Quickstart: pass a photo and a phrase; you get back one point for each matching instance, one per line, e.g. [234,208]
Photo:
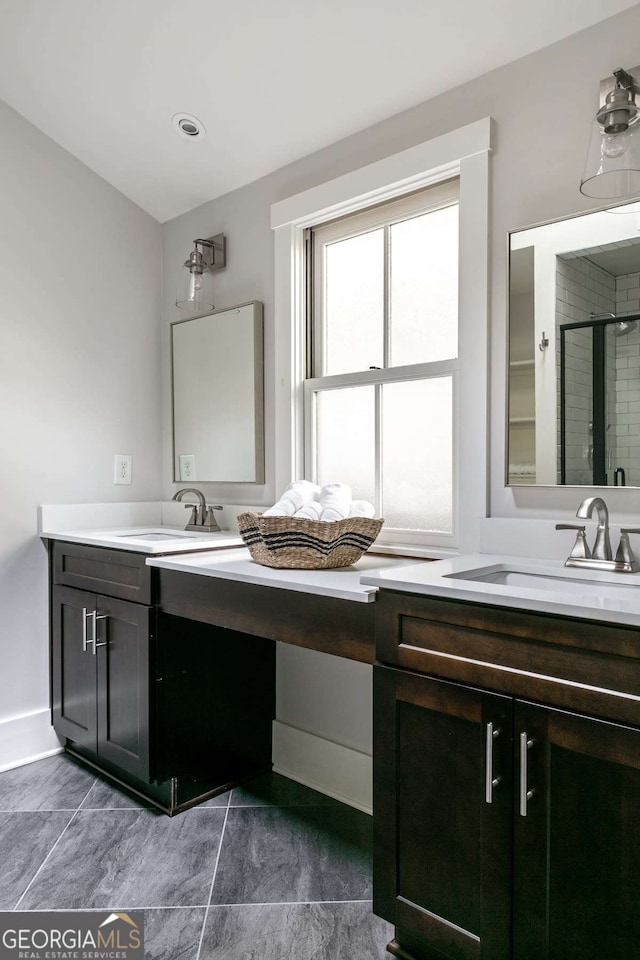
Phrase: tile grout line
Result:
[285,903]
[75,814]
[194,906]
[45,810]
[95,780]
[213,879]
[87,794]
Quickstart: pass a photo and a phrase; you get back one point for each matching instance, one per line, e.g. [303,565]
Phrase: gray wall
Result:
[79,371]
[536,168]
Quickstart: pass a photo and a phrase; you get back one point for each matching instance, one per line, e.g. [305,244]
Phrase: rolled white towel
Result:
[294,498]
[305,489]
[297,494]
[283,508]
[362,508]
[331,515]
[335,499]
[310,511]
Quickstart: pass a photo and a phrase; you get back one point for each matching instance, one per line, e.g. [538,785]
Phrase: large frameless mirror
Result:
[574,351]
[217,381]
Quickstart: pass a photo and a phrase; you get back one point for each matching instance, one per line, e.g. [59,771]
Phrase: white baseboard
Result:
[27,738]
[331,768]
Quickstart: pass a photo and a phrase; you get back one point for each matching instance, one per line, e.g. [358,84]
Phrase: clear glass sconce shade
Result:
[612,168]
[195,289]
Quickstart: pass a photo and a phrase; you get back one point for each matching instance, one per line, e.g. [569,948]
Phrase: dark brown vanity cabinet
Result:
[174,709]
[101,676]
[504,828]
[576,838]
[442,853]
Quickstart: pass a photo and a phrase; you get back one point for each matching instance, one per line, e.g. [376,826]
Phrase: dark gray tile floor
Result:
[268,871]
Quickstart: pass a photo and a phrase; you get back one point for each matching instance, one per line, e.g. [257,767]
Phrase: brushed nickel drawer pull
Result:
[525,793]
[490,780]
[85,639]
[103,643]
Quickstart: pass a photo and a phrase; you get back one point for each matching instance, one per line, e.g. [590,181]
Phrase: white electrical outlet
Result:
[122,467]
[187,466]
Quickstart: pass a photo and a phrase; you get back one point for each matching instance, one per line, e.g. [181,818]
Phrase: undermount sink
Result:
[155,535]
[555,583]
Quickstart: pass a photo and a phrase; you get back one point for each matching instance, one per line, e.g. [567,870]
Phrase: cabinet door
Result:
[73,666]
[443,807]
[122,655]
[577,837]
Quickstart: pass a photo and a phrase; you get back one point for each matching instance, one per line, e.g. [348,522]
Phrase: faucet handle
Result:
[581,547]
[625,553]
[193,519]
[210,522]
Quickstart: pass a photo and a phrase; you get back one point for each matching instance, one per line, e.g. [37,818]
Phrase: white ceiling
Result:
[272,80]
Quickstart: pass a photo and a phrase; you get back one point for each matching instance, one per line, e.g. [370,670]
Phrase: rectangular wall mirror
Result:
[574,351]
[217,385]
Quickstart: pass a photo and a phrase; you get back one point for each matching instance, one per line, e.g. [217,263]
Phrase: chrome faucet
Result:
[601,557]
[202,518]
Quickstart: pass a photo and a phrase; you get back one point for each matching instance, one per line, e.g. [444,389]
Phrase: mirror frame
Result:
[258,380]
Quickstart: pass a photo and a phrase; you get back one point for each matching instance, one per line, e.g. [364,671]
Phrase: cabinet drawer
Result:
[113,573]
[590,667]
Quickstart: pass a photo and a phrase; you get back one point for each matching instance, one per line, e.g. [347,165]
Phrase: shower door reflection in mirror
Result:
[600,402]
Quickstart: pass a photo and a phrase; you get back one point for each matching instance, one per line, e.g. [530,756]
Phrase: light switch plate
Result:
[122,467]
[187,466]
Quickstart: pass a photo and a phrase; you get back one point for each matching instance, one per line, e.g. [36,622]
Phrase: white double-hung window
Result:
[380,392]
[381,338]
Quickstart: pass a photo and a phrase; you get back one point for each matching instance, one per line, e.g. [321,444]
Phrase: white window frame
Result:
[462,153]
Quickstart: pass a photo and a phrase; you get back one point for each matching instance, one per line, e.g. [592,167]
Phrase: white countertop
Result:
[137,539]
[610,597]
[343,582]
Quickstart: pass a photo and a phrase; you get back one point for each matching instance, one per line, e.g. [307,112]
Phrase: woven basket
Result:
[296,544]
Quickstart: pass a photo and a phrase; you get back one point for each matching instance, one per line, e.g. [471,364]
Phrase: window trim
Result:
[464,153]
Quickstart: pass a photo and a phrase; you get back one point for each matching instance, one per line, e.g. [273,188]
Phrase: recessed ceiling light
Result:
[189,126]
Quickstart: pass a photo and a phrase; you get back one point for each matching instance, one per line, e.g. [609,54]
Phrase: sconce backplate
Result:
[214,251]
[609,83]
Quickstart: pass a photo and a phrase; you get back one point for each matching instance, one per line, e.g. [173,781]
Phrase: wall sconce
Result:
[612,168]
[196,282]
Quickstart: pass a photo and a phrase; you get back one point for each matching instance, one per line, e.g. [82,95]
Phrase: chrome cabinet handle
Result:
[490,780]
[525,793]
[85,640]
[98,616]
[92,638]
